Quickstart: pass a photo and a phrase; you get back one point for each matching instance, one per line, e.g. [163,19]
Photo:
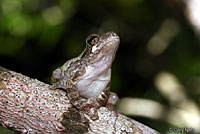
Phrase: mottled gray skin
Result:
[86,78]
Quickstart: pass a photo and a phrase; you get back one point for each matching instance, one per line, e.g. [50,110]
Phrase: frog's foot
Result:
[91,113]
[90,108]
[57,86]
[113,99]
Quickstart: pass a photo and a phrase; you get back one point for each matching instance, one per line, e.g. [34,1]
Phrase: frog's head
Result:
[98,57]
[102,48]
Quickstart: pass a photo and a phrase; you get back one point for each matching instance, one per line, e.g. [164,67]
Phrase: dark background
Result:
[36,36]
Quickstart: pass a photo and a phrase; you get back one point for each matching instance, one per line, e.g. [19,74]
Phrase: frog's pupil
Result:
[93,40]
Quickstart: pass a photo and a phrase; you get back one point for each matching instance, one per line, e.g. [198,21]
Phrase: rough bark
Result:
[30,106]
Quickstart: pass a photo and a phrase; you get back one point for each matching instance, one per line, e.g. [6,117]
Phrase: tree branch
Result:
[29,106]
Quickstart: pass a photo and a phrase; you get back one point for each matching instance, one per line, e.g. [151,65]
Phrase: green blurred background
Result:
[36,36]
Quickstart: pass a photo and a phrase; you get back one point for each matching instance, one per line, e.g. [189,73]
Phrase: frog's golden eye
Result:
[92,39]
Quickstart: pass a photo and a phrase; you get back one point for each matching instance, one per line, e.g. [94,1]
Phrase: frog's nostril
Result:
[113,34]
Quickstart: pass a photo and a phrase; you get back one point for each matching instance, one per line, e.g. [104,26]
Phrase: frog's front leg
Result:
[108,98]
[91,105]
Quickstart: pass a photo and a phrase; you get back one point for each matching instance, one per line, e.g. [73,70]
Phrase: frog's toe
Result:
[92,113]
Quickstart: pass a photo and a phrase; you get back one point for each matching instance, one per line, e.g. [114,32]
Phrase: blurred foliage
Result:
[36,36]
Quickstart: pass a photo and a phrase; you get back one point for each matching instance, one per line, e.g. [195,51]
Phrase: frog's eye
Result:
[92,39]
